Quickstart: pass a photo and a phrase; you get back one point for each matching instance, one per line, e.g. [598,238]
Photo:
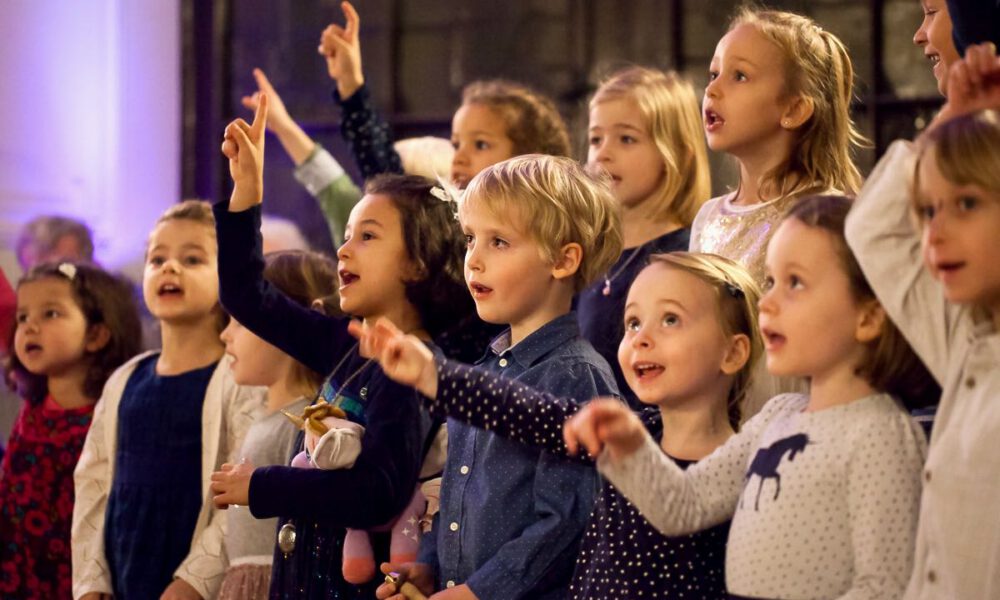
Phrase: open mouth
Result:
[772,339]
[169,290]
[347,278]
[646,370]
[32,348]
[479,290]
[713,120]
[460,180]
[946,269]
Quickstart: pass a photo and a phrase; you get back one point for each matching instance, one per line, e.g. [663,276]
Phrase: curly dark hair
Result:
[891,365]
[104,299]
[435,243]
[533,122]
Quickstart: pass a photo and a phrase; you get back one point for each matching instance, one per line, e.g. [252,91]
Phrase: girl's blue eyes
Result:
[669,319]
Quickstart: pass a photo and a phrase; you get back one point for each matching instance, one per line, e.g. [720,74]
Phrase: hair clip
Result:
[733,291]
[67,269]
[440,194]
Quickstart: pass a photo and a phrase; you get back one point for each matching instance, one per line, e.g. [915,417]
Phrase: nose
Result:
[344,251]
[920,37]
[937,227]
[712,89]
[461,156]
[171,265]
[227,333]
[641,339]
[767,303]
[473,258]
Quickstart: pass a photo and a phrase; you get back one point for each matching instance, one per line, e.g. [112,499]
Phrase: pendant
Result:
[286,539]
[607,288]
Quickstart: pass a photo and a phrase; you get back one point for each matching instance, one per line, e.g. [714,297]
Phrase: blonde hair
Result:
[818,68]
[672,115]
[532,120]
[966,152]
[557,203]
[737,294]
[426,156]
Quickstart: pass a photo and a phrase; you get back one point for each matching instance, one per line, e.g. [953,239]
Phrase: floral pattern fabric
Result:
[36,500]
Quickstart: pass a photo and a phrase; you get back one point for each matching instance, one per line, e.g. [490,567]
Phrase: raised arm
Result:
[312,338]
[367,134]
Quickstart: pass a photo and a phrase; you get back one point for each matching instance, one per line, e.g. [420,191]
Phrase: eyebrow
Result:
[744,60]
[618,126]
[370,222]
[660,302]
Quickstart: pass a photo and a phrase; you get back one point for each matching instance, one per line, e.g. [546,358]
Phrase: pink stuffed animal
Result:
[332,441]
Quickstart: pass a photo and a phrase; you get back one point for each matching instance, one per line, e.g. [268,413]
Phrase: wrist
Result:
[428,383]
[347,86]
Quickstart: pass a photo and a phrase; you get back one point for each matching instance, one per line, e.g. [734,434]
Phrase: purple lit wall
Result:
[90,118]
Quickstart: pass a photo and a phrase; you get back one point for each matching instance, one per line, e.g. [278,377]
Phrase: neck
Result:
[404,316]
[693,429]
[558,304]
[66,389]
[756,164]
[839,385]
[284,392]
[188,346]
[639,226]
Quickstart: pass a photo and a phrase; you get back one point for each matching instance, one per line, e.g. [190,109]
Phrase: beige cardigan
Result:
[226,415]
[958,536]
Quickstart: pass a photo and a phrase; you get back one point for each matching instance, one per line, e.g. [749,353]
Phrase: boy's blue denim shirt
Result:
[511,516]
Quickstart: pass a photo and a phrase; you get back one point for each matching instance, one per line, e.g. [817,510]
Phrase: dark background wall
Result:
[418,54]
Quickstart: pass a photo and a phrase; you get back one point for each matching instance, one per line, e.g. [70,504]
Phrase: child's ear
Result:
[98,337]
[798,111]
[737,354]
[568,261]
[871,318]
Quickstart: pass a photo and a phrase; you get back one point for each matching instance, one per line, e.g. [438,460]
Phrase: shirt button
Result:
[453,526]
[503,362]
[464,470]
[927,476]
[970,382]
[450,584]
[931,576]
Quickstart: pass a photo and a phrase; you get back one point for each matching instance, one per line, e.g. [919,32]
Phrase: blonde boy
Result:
[539,229]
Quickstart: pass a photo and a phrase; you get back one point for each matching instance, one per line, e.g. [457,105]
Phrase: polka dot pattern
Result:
[368,136]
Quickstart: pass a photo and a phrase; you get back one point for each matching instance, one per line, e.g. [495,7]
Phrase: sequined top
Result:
[741,233]
[738,232]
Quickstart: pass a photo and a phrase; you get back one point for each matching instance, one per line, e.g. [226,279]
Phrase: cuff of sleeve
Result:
[355,101]
[260,497]
[318,171]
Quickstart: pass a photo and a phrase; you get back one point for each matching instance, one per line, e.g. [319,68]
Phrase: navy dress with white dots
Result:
[621,555]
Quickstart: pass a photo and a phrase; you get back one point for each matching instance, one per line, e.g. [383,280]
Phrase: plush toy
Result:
[333,441]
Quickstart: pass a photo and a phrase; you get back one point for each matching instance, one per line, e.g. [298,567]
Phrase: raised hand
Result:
[278,119]
[341,47]
[404,358]
[973,83]
[243,145]
[604,423]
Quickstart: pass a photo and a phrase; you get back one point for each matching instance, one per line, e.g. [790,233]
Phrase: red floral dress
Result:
[36,500]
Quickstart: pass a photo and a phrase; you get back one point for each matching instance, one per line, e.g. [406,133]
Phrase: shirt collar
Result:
[540,342]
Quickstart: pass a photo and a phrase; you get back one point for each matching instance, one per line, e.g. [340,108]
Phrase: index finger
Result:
[263,83]
[259,118]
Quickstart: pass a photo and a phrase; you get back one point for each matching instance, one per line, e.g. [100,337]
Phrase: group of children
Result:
[739,370]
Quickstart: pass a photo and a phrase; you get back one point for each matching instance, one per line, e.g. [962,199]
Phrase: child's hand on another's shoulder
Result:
[604,423]
[404,358]
[341,47]
[973,83]
[243,145]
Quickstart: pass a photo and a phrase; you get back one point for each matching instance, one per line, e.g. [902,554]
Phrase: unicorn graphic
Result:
[766,461]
